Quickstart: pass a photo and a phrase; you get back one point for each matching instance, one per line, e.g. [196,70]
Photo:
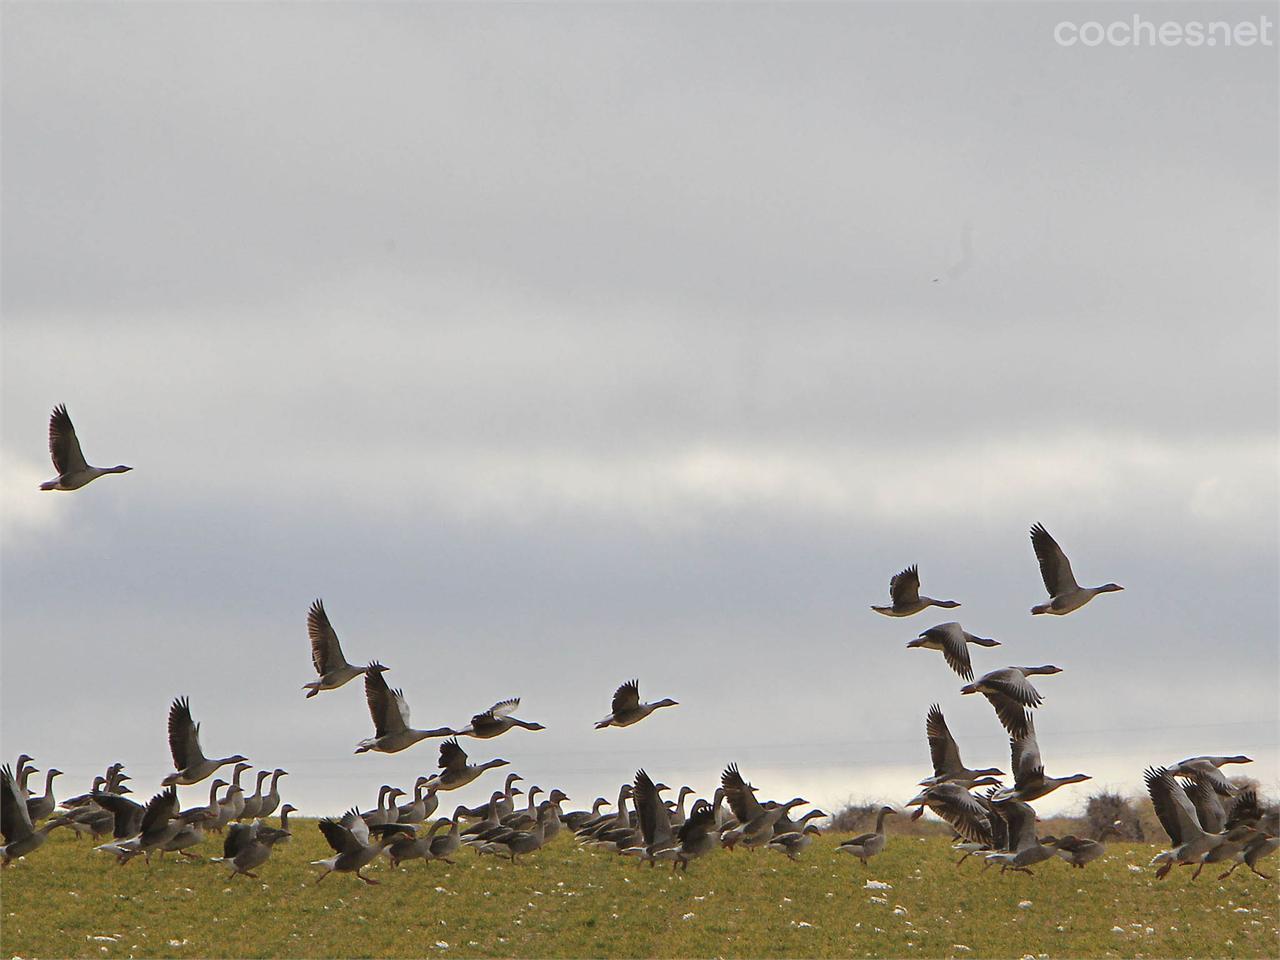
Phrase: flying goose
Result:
[1065,594]
[1239,825]
[947,765]
[184,743]
[64,449]
[1008,691]
[867,845]
[190,833]
[1207,770]
[20,835]
[1025,848]
[1178,817]
[1261,846]
[627,708]
[904,592]
[455,772]
[355,844]
[1029,779]
[496,721]
[160,823]
[694,838]
[953,641]
[390,713]
[326,654]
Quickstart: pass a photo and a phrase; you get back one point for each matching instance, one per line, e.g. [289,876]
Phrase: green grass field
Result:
[565,902]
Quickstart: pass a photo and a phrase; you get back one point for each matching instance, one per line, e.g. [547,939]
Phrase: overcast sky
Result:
[556,345]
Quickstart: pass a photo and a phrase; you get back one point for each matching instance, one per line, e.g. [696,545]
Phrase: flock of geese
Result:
[1208,819]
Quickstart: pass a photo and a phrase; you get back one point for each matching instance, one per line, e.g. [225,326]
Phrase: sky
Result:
[557,345]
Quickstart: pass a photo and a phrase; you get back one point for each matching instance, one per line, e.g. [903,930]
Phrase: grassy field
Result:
[565,902]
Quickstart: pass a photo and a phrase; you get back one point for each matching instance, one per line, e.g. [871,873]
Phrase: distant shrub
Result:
[1114,814]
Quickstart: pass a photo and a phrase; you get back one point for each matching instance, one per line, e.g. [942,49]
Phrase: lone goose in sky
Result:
[627,708]
[64,449]
[904,592]
[390,713]
[496,721]
[455,772]
[953,640]
[326,654]
[1065,594]
[184,743]
[947,765]
[1009,691]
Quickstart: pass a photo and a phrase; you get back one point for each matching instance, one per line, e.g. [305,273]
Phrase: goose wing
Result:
[161,808]
[954,648]
[1021,822]
[1244,809]
[700,822]
[904,587]
[64,445]
[503,708]
[326,652]
[1055,568]
[1015,719]
[387,707]
[15,822]
[353,821]
[626,698]
[1203,770]
[184,736]
[1173,808]
[452,757]
[239,837]
[339,837]
[1013,683]
[942,746]
[1209,809]
[655,821]
[1024,754]
[958,807]
[740,795]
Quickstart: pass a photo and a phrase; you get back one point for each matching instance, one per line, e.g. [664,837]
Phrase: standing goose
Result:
[386,811]
[24,770]
[413,847]
[521,842]
[422,805]
[1178,817]
[272,798]
[577,818]
[20,835]
[1065,594]
[1029,779]
[326,654]
[252,808]
[496,721]
[390,713]
[954,642]
[446,846]
[64,450]
[355,844]
[1009,691]
[233,799]
[947,765]
[627,708]
[184,743]
[38,808]
[867,845]
[455,772]
[904,592]
[1207,769]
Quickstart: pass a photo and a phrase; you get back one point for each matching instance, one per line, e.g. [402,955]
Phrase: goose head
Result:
[666,702]
[1108,588]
